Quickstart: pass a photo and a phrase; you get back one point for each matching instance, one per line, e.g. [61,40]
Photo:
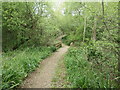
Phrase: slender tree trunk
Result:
[103,7]
[94,29]
[103,13]
[85,25]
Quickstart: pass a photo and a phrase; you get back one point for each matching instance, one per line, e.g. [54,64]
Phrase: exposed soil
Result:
[60,77]
[42,77]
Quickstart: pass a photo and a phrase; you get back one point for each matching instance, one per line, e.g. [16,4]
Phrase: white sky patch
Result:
[58,3]
[63,11]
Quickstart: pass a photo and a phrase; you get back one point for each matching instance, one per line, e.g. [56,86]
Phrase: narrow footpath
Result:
[42,77]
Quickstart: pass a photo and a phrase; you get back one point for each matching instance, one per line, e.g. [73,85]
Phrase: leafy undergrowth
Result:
[85,73]
[17,64]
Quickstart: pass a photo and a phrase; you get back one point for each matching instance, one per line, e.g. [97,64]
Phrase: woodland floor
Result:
[42,77]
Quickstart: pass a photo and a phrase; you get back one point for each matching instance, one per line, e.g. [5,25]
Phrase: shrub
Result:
[53,48]
[86,74]
[17,64]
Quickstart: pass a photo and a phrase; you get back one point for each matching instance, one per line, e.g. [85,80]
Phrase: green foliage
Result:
[93,62]
[17,64]
[27,24]
[85,74]
[14,24]
[66,40]
[53,48]
[90,64]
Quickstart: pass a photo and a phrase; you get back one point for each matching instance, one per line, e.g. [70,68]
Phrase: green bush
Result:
[17,64]
[66,41]
[103,56]
[83,73]
[53,48]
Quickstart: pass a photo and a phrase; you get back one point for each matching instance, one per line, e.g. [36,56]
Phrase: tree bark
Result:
[85,25]
[103,7]
[94,29]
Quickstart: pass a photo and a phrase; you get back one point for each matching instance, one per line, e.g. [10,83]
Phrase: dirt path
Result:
[42,77]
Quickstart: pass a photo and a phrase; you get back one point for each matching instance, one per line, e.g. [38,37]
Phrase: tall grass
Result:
[82,74]
[17,64]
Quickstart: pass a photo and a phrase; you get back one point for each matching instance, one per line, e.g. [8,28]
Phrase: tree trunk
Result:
[103,7]
[94,29]
[85,25]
